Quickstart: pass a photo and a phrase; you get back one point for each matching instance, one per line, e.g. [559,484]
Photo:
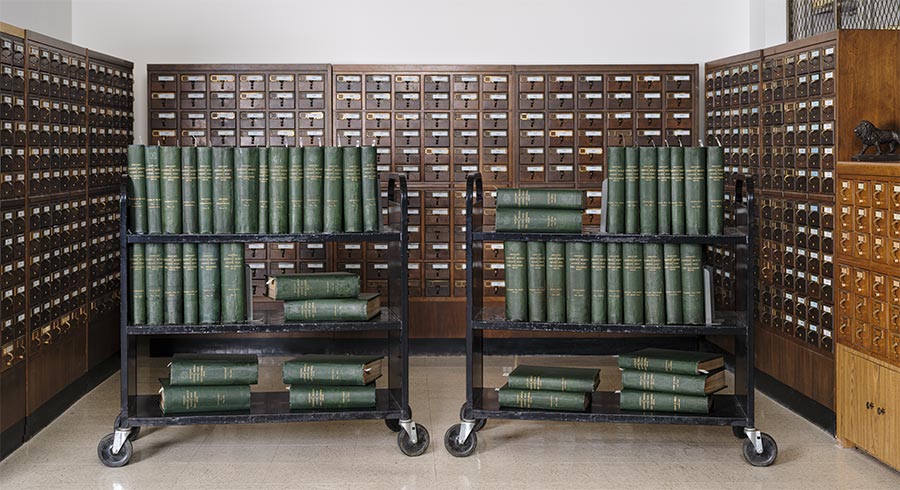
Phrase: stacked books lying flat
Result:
[662,380]
[539,210]
[252,190]
[332,382]
[323,297]
[208,383]
[549,388]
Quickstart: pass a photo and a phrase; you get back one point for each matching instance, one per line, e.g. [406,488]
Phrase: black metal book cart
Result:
[392,402]
[735,410]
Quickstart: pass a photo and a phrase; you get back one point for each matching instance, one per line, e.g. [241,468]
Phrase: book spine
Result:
[539,220]
[648,401]
[537,281]
[672,267]
[614,293]
[232,282]
[543,400]
[189,191]
[664,191]
[638,362]
[578,282]
[190,284]
[615,190]
[540,198]
[322,373]
[633,283]
[187,372]
[315,286]
[204,190]
[693,311]
[137,189]
[191,399]
[153,264]
[550,383]
[295,190]
[278,189]
[223,189]
[598,283]
[154,190]
[313,172]
[676,173]
[174,285]
[326,310]
[632,190]
[648,191]
[333,195]
[369,159]
[684,384]
[654,284]
[263,206]
[695,190]
[556,282]
[246,190]
[715,189]
[351,175]
[170,178]
[515,258]
[208,282]
[331,397]
[137,304]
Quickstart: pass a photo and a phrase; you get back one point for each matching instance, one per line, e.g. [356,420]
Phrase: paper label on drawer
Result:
[285,132]
[351,133]
[440,266]
[495,79]
[561,133]
[563,151]
[312,133]
[383,168]
[440,96]
[349,78]
[193,78]
[622,78]
[165,78]
[562,96]
[467,116]
[410,151]
[253,115]
[438,115]
[534,169]
[164,134]
[563,168]
[224,115]
[406,134]
[437,151]
[622,115]
[282,115]
[469,168]
[343,96]
[621,96]
[468,96]
[410,169]
[498,97]
[380,246]
[497,168]
[496,133]
[469,134]
[163,95]
[682,115]
[283,95]
[681,95]
[498,151]
[194,133]
[591,151]
[592,211]
[439,78]
[468,151]
[256,133]
[495,115]
[683,132]
[536,78]
[380,96]
[534,134]
[650,78]
[652,95]
[440,212]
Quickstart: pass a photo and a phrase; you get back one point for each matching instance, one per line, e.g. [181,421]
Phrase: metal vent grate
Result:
[811,17]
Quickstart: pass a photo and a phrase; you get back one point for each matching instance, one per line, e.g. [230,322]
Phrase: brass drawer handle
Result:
[859,307]
[859,332]
[859,195]
[859,220]
[876,339]
[859,248]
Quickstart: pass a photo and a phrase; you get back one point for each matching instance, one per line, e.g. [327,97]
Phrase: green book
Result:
[137,189]
[537,281]
[223,189]
[553,378]
[204,190]
[313,173]
[654,285]
[514,263]
[332,370]
[213,369]
[190,283]
[209,283]
[173,288]
[295,190]
[578,282]
[539,220]
[598,283]
[194,399]
[672,361]
[649,401]
[371,214]
[540,198]
[153,265]
[633,283]
[615,190]
[672,269]
[693,309]
[695,190]
[189,214]
[556,282]
[543,400]
[676,174]
[682,384]
[351,174]
[632,190]
[246,190]
[313,286]
[331,397]
[614,291]
[231,277]
[648,191]
[137,303]
[715,190]
[664,191]
[170,180]
[333,190]
[360,309]
[154,189]
[263,205]
[278,189]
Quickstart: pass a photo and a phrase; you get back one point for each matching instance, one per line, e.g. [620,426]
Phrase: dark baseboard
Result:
[12,438]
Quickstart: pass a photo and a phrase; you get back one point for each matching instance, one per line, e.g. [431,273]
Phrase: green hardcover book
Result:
[695,190]
[351,174]
[170,180]
[194,399]
[515,260]
[632,190]
[676,173]
[335,370]
[553,378]
[556,282]
[313,172]
[578,282]
[189,214]
[682,384]
[540,198]
[173,288]
[544,400]
[223,189]
[614,293]
[333,191]
[672,268]
[649,401]
[213,369]
[137,189]
[360,309]
[672,361]
[654,285]
[331,397]
[190,283]
[204,190]
[539,220]
[633,283]
[154,189]
[315,285]
[153,265]
[246,190]
[137,303]
[664,191]
[231,277]
[598,283]
[715,190]
[615,190]
[371,214]
[537,281]
[295,190]
[278,189]
[263,206]
[209,283]
[648,191]
[693,309]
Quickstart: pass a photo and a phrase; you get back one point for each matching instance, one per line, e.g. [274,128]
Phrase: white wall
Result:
[768,23]
[50,17]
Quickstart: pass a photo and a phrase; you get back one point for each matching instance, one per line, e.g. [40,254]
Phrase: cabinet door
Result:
[886,446]
[857,384]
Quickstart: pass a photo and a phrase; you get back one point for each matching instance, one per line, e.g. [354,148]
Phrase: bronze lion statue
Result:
[872,136]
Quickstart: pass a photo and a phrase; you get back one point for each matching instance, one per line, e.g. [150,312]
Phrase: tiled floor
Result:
[364,455]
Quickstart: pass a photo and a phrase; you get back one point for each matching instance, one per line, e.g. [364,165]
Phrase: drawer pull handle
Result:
[859,220]
[869,405]
[894,347]
[843,329]
[859,307]
[859,332]
[859,248]
[876,339]
[880,411]
[859,195]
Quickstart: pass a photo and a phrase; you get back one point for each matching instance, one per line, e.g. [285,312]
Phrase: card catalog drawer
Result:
[348,83]
[532,83]
[252,82]
[222,83]
[192,82]
[680,82]
[252,120]
[620,83]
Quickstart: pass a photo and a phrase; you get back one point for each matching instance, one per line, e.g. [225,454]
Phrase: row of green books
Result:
[252,189]
[578,282]
[323,296]
[332,382]
[190,283]
[549,388]
[663,380]
[539,210]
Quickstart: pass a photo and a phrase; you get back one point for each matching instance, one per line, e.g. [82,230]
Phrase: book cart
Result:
[737,410]
[392,403]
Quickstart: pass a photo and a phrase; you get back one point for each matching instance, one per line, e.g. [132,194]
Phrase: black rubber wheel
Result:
[479,423]
[417,449]
[738,432]
[104,452]
[770,451]
[393,424]
[454,447]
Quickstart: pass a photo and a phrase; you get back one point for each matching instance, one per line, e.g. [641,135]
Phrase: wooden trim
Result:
[35,37]
[12,30]
[806,42]
[735,59]
[94,55]
[868,169]
[237,67]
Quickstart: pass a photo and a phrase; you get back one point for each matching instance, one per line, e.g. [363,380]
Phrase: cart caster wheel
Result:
[454,447]
[393,424]
[738,432]
[417,449]
[135,431]
[104,452]
[770,451]
[479,423]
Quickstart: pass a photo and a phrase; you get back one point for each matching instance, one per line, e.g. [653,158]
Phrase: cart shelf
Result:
[382,236]
[386,320]
[732,236]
